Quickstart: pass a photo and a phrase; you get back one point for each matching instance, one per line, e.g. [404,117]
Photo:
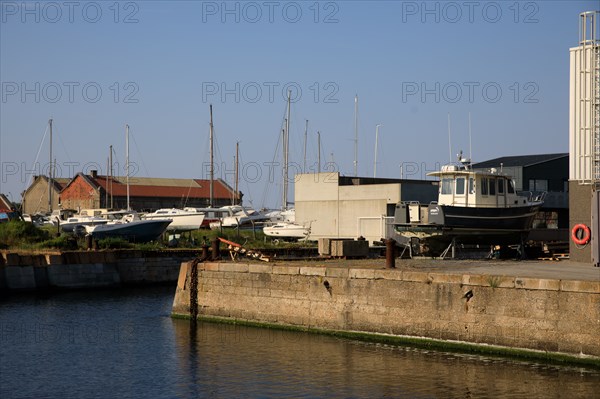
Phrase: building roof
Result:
[158,187]
[519,160]
[5,202]
[58,182]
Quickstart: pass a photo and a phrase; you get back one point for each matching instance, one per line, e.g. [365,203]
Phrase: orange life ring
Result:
[586,234]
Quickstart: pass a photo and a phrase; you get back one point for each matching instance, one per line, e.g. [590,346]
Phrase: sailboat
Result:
[129,226]
[288,228]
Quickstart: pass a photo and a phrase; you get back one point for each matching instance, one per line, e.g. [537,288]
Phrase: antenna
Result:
[449,139]
[470,148]
[356,135]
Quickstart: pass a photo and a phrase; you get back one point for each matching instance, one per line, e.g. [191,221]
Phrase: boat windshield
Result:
[447,184]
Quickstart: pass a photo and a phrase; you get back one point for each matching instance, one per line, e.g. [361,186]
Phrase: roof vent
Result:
[94,173]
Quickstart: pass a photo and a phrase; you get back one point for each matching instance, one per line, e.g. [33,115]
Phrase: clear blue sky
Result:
[160,64]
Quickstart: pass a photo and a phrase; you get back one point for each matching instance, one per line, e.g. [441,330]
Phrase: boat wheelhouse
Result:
[473,207]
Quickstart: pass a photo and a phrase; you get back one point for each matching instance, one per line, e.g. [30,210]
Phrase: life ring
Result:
[585,238]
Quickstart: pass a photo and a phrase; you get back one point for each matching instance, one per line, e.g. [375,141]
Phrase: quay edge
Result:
[550,320]
[23,272]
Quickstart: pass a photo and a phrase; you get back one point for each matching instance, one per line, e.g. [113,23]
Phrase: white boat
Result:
[69,225]
[129,227]
[473,207]
[287,230]
[186,219]
[238,216]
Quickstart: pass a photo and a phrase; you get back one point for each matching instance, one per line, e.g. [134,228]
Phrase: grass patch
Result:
[17,233]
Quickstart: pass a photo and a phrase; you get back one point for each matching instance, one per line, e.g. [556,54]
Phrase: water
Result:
[123,344]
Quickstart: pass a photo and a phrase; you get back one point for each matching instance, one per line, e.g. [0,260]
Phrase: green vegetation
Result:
[19,235]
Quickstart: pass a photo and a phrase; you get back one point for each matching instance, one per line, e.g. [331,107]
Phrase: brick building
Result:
[145,193]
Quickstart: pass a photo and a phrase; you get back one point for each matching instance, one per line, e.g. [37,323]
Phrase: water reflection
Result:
[244,361]
[112,344]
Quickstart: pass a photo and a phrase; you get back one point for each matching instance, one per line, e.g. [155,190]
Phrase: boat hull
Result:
[137,231]
[286,231]
[476,226]
[180,222]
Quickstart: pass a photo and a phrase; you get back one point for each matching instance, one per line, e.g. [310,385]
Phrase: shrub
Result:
[17,233]
[114,243]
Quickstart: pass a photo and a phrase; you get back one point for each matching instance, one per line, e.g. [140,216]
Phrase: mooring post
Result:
[204,251]
[88,242]
[216,251]
[390,253]
[194,292]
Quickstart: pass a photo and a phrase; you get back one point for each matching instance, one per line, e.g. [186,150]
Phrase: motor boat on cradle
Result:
[473,207]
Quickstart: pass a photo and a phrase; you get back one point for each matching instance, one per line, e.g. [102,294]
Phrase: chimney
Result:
[94,173]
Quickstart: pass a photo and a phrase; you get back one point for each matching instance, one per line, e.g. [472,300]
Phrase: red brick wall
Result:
[79,194]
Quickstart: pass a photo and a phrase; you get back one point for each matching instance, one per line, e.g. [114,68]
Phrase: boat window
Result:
[500,186]
[492,186]
[447,184]
[511,187]
[460,186]
[471,186]
[484,186]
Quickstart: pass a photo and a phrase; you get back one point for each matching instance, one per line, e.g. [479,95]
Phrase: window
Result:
[484,186]
[511,186]
[500,186]
[492,186]
[460,186]
[471,186]
[447,184]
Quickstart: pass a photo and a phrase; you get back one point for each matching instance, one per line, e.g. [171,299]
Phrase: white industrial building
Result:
[584,136]
[339,206]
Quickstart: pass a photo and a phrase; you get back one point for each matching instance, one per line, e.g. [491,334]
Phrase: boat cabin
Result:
[464,187]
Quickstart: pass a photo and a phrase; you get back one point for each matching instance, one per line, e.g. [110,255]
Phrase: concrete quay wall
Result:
[83,269]
[547,315]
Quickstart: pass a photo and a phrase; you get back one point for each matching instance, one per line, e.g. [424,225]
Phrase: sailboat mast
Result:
[127,161]
[375,158]
[111,178]
[305,138]
[286,148]
[237,169]
[356,135]
[50,172]
[211,167]
[318,152]
[106,189]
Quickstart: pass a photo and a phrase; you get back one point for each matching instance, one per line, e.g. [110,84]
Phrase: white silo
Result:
[584,141]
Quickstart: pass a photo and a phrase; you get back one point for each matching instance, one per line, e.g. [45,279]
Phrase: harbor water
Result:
[123,343]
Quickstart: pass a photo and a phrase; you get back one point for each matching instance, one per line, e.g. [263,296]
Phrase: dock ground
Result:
[559,270]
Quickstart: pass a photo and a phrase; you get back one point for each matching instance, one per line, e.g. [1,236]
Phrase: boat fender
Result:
[585,238]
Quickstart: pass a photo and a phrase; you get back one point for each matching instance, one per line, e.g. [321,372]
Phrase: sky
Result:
[421,70]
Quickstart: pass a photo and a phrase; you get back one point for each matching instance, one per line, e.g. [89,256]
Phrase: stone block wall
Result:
[538,314]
